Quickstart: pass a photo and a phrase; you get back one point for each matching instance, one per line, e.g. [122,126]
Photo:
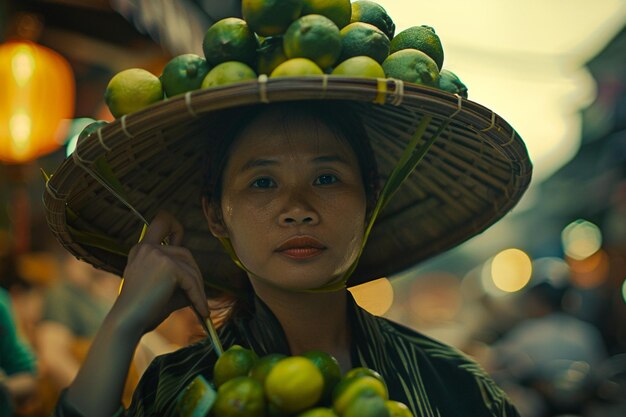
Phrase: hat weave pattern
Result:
[99,199]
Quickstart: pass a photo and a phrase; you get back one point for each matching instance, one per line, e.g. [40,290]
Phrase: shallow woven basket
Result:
[473,174]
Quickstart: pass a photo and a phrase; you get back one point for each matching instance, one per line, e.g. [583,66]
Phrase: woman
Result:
[291,193]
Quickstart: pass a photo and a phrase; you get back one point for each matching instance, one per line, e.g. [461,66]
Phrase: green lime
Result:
[196,399]
[184,73]
[294,384]
[360,66]
[450,82]
[412,66]
[296,67]
[228,73]
[339,11]
[398,409]
[374,14]
[240,397]
[318,412]
[263,366]
[270,54]
[363,371]
[423,38]
[230,39]
[235,361]
[132,90]
[329,367]
[369,405]
[270,17]
[358,39]
[349,389]
[315,37]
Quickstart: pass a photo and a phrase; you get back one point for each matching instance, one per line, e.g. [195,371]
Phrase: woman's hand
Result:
[160,279]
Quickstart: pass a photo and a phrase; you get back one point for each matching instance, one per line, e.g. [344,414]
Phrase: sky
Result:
[524,60]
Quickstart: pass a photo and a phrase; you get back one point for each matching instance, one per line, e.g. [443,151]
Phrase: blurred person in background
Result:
[548,357]
[18,383]
[73,308]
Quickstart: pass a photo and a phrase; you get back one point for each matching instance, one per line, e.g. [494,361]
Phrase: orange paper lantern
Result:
[36,100]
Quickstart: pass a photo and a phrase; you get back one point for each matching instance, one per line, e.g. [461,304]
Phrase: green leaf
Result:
[98,240]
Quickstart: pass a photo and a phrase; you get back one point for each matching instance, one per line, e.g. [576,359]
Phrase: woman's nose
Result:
[298,211]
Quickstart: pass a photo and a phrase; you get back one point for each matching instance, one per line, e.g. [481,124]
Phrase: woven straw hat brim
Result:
[473,174]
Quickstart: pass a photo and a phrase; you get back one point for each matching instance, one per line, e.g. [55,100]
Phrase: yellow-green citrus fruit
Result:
[270,17]
[294,384]
[422,38]
[132,90]
[230,39]
[274,411]
[184,73]
[339,11]
[412,66]
[318,412]
[450,82]
[264,365]
[398,409]
[349,389]
[240,397]
[236,361]
[228,73]
[296,67]
[315,37]
[367,406]
[360,66]
[270,54]
[360,38]
[363,371]
[374,14]
[329,367]
[196,399]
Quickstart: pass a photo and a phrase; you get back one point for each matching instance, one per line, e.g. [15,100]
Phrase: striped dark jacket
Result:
[433,379]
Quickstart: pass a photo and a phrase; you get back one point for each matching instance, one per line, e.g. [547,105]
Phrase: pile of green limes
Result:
[308,385]
[282,38]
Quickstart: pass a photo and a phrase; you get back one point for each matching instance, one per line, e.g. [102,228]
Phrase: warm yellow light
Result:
[375,296]
[36,99]
[20,127]
[511,270]
[581,239]
[624,291]
[22,65]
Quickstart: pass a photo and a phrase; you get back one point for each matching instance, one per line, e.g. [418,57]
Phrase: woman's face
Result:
[293,202]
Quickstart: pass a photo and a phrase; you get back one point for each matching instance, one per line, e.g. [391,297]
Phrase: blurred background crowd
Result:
[539,299]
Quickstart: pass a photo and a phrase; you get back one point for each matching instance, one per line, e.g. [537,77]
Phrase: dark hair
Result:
[336,115]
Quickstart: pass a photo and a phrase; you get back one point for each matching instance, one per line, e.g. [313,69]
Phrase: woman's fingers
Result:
[191,282]
[164,225]
[162,278]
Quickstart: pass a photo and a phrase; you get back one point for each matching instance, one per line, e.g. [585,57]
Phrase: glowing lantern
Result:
[36,100]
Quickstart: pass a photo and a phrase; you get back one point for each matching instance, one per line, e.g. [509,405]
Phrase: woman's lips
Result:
[301,247]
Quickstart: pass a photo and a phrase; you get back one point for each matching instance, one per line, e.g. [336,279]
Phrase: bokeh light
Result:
[551,269]
[511,270]
[581,239]
[591,271]
[76,127]
[375,296]
[624,291]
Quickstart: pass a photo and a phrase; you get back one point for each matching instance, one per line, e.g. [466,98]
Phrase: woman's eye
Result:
[263,183]
[326,179]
